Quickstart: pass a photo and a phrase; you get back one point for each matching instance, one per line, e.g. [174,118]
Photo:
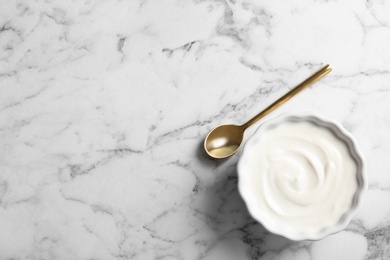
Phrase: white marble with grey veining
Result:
[104,106]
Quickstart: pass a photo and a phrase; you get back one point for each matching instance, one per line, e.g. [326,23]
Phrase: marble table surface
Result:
[104,106]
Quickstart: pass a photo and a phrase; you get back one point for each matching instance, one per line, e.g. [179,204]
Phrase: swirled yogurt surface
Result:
[302,176]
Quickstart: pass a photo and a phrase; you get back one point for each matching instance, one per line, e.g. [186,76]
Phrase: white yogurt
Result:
[302,177]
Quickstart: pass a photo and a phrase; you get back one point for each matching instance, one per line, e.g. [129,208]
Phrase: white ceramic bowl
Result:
[272,226]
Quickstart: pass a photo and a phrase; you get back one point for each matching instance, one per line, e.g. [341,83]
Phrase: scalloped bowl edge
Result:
[343,135]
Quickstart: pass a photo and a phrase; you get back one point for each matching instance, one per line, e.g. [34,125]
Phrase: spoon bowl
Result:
[224,140]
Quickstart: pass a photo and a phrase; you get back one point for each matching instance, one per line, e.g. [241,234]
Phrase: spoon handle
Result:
[309,81]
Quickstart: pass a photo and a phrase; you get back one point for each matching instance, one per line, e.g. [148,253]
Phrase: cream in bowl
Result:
[301,176]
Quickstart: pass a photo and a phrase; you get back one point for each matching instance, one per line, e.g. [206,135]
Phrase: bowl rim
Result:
[342,134]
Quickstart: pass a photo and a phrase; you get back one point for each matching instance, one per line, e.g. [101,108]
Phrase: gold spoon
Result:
[224,140]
